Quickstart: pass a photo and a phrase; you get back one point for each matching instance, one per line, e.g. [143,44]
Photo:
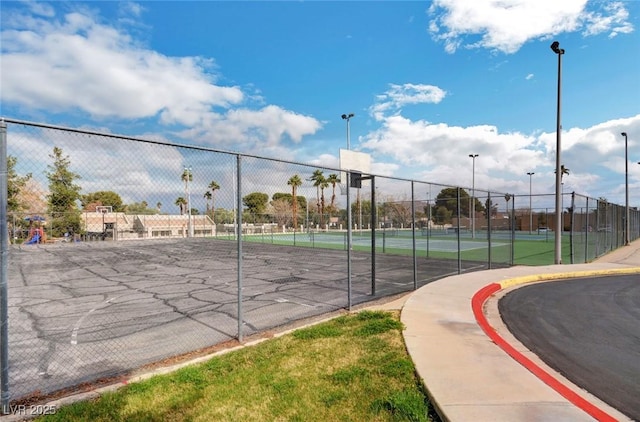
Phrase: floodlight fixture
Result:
[348,117]
[555,46]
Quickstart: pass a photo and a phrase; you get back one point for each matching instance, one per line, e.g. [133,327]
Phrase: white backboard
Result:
[354,160]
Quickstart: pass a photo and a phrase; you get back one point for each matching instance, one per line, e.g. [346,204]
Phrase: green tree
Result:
[294,182]
[428,209]
[139,208]
[63,195]
[448,198]
[102,198]
[224,216]
[443,215]
[15,183]
[256,203]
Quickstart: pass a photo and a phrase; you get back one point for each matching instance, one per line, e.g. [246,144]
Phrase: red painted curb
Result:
[477,303]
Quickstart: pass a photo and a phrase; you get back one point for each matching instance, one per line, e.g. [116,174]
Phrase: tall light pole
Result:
[626,191]
[555,46]
[473,195]
[530,208]
[348,117]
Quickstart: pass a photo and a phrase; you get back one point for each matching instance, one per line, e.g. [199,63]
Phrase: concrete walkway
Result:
[468,376]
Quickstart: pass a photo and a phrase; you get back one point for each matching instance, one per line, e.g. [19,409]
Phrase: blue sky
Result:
[429,82]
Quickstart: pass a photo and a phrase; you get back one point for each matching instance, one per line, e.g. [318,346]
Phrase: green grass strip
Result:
[351,368]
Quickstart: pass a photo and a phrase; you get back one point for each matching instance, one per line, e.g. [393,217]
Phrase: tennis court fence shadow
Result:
[122,252]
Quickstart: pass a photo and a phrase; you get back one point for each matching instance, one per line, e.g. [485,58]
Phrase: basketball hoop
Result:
[104,209]
[353,161]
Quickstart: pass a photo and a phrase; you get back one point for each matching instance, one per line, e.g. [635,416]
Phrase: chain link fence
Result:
[590,228]
[121,252]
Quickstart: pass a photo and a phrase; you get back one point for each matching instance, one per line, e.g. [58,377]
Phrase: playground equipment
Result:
[36,235]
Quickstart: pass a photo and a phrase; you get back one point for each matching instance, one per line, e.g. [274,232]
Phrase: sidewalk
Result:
[469,377]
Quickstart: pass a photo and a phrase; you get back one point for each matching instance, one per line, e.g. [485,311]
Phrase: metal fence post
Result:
[489,227]
[586,232]
[513,230]
[459,245]
[571,228]
[349,241]
[413,237]
[239,240]
[4,252]
[373,235]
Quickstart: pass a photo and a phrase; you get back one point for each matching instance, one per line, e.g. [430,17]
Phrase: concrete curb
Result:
[570,274]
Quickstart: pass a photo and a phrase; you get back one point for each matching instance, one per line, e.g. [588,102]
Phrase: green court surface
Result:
[528,249]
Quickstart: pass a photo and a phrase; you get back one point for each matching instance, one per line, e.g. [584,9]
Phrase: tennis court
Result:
[389,239]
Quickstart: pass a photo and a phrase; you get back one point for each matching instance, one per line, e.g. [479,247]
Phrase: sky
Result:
[429,83]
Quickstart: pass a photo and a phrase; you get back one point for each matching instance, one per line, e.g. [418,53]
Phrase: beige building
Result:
[121,226]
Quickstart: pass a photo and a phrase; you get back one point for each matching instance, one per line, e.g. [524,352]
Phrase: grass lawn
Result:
[352,368]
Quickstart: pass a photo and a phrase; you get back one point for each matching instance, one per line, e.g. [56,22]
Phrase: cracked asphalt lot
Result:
[80,312]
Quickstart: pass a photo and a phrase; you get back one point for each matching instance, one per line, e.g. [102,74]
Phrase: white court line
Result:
[74,332]
[283,300]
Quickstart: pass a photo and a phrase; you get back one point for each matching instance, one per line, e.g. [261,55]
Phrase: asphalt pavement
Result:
[473,368]
[598,346]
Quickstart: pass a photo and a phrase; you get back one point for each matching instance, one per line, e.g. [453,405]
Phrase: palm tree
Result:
[323,185]
[317,178]
[207,196]
[563,171]
[294,182]
[507,197]
[181,202]
[213,187]
[187,176]
[334,180]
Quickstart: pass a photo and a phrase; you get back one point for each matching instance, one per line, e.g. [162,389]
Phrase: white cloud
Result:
[529,76]
[400,95]
[438,152]
[76,64]
[614,18]
[105,75]
[508,24]
[251,130]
